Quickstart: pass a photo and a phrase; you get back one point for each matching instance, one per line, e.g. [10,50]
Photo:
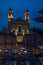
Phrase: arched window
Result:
[19,28]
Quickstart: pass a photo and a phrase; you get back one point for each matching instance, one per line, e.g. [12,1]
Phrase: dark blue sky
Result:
[19,7]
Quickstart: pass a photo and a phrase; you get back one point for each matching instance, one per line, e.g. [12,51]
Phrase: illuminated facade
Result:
[18,33]
[17,38]
[18,28]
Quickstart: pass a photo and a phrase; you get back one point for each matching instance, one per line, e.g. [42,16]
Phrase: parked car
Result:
[22,51]
[6,52]
[14,52]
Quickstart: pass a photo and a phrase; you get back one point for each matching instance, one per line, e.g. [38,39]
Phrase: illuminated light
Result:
[0,50]
[19,38]
[23,48]
[23,33]
[16,34]
[10,16]
[25,51]
[16,31]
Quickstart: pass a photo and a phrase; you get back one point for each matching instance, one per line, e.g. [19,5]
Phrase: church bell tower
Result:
[10,15]
[27,16]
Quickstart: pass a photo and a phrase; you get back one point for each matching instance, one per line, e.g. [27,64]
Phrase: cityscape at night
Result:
[21,32]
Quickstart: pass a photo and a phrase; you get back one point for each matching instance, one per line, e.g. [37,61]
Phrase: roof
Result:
[18,20]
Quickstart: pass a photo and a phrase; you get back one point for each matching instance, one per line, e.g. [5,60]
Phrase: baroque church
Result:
[18,33]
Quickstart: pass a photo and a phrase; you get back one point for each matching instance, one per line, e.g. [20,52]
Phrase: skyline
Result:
[19,7]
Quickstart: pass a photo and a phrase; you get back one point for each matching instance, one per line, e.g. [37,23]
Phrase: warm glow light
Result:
[10,16]
[16,31]
[19,38]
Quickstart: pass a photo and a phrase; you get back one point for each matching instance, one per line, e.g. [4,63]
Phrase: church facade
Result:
[18,33]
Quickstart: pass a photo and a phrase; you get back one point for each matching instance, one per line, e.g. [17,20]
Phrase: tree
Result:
[37,30]
[38,19]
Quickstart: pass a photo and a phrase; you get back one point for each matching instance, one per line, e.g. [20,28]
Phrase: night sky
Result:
[19,7]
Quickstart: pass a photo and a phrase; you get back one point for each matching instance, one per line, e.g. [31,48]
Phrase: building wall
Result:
[15,27]
[9,42]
